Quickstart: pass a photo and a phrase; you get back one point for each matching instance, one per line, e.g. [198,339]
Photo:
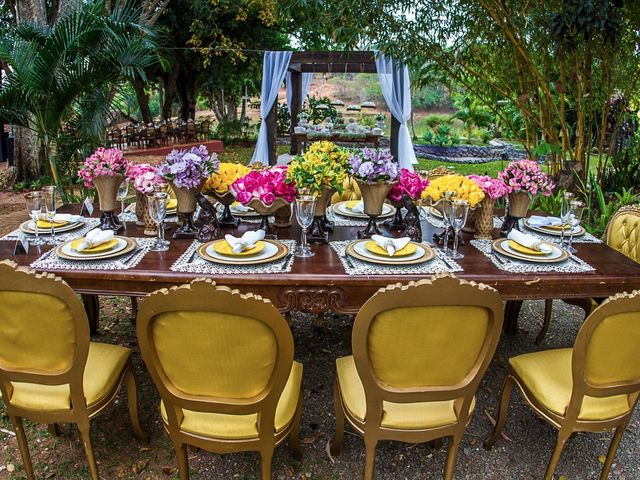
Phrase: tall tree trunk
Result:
[143,99]
[169,81]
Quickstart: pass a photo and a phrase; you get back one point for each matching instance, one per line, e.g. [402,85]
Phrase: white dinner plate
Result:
[29,227]
[557,254]
[341,209]
[577,230]
[270,250]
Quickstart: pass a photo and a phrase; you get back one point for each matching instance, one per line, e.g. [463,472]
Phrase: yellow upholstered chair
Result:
[49,371]
[223,364]
[350,191]
[622,234]
[419,353]
[592,387]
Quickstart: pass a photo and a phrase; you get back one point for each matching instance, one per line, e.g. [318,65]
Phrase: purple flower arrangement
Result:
[373,165]
[494,188]
[188,168]
[409,183]
[526,176]
[103,162]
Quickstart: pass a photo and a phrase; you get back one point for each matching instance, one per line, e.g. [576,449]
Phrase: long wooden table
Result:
[320,284]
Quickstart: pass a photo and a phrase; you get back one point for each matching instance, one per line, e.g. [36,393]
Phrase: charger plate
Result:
[223,248]
[342,208]
[577,231]
[28,227]
[125,245]
[273,250]
[501,245]
[359,251]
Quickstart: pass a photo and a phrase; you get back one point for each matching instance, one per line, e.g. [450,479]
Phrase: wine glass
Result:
[458,217]
[305,208]
[565,213]
[157,206]
[577,210]
[123,191]
[34,207]
[447,198]
[49,197]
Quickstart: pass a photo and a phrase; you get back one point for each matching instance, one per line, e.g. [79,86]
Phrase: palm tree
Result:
[472,113]
[60,80]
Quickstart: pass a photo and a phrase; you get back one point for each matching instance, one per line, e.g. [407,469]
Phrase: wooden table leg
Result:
[511,313]
[92,307]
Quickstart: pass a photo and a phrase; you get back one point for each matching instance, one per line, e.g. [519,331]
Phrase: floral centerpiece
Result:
[144,178]
[218,185]
[186,170]
[411,184]
[493,188]
[524,179]
[375,172]
[105,170]
[464,188]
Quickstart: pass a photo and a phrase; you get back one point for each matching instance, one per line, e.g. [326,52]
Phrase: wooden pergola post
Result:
[272,132]
[296,106]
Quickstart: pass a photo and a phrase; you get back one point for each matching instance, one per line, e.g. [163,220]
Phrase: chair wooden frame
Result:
[204,295]
[19,279]
[586,304]
[569,422]
[440,290]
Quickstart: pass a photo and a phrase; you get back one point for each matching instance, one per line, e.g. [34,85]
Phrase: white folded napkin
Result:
[94,238]
[529,241]
[391,245]
[241,208]
[540,221]
[60,217]
[358,207]
[246,242]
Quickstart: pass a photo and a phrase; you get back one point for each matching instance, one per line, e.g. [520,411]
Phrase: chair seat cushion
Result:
[104,367]
[238,427]
[401,416]
[548,376]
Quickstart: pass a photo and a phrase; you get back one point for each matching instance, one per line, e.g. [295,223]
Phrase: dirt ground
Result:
[119,455]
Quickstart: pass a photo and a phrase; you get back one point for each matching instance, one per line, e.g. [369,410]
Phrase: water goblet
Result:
[447,198]
[123,191]
[157,207]
[565,214]
[459,211]
[49,197]
[34,207]
[577,210]
[305,208]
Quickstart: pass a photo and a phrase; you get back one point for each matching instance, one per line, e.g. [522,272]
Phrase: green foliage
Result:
[551,204]
[317,116]
[231,133]
[283,120]
[472,113]
[623,169]
[434,119]
[430,97]
[427,137]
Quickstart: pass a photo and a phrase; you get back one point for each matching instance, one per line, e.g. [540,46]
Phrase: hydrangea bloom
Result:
[494,187]
[266,185]
[103,162]
[409,183]
[526,176]
[372,165]
[144,177]
[187,168]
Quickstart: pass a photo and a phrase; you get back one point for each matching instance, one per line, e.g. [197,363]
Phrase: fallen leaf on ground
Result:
[11,467]
[144,449]
[139,466]
[312,438]
[169,470]
[328,450]
[602,458]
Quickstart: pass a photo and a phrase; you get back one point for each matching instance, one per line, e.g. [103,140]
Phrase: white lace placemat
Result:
[89,224]
[353,266]
[50,261]
[432,219]
[572,265]
[586,238]
[131,217]
[191,262]
[340,221]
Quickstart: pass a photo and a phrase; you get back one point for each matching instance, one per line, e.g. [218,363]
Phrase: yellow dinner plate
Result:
[223,248]
[103,247]
[351,204]
[522,249]
[409,249]
[172,203]
[47,224]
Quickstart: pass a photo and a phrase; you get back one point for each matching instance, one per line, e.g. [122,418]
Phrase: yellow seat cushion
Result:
[548,376]
[400,416]
[220,425]
[104,366]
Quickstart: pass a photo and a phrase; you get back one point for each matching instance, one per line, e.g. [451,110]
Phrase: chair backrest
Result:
[623,231]
[426,341]
[208,348]
[44,331]
[606,354]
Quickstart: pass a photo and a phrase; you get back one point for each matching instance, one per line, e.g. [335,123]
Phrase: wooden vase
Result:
[373,196]
[186,198]
[484,219]
[107,188]
[320,228]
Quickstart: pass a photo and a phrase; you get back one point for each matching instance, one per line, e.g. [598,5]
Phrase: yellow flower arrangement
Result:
[324,164]
[465,188]
[227,173]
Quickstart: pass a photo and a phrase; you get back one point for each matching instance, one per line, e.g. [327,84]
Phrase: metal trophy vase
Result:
[107,188]
[320,228]
[265,211]
[397,223]
[226,199]
[519,203]
[186,198]
[373,196]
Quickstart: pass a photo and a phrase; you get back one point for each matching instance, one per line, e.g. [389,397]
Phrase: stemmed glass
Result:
[305,208]
[157,206]
[123,191]
[565,214]
[577,210]
[458,217]
[34,207]
[49,197]
[447,198]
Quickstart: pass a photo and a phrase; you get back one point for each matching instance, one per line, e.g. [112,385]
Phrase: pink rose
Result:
[268,198]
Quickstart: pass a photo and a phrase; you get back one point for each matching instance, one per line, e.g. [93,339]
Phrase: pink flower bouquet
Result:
[409,183]
[526,176]
[494,188]
[103,162]
[266,185]
[144,177]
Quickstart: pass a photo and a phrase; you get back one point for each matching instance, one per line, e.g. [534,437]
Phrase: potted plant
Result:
[375,172]
[105,170]
[144,178]
[218,185]
[411,184]
[493,188]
